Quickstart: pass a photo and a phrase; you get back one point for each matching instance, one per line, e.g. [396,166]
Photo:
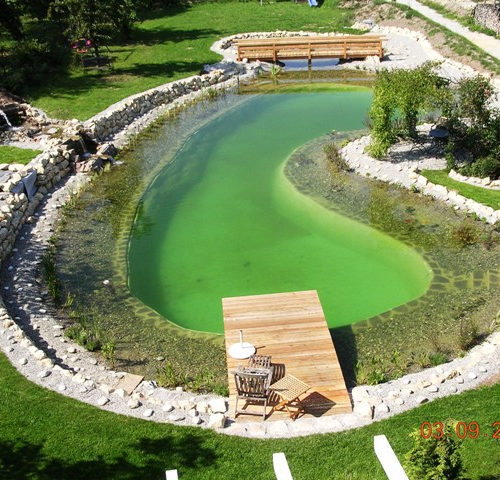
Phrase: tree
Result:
[400,97]
[125,16]
[10,18]
[88,19]
[475,128]
[96,20]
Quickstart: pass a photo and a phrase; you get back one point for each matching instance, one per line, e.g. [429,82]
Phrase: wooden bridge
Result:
[308,48]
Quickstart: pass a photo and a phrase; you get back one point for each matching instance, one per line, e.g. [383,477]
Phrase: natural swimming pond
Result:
[222,220]
[306,197]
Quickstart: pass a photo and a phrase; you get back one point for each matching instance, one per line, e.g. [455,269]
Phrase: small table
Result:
[289,389]
[241,350]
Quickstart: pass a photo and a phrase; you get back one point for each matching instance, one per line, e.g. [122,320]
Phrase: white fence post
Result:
[388,459]
[281,469]
[171,475]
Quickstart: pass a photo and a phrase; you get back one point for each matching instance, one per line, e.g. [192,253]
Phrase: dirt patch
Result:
[493,380]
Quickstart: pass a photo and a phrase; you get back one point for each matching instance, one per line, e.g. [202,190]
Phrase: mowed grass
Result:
[172,44]
[44,435]
[17,155]
[488,197]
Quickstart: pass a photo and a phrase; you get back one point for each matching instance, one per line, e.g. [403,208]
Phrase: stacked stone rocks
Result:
[488,16]
[486,182]
[15,208]
[115,118]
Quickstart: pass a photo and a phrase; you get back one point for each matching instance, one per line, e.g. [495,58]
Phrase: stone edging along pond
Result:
[32,337]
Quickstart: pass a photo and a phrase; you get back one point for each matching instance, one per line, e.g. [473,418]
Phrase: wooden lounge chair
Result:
[252,386]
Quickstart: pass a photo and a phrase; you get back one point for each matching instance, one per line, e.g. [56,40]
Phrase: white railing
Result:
[383,450]
[388,459]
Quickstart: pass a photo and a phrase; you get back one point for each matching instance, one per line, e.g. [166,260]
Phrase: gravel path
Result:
[488,44]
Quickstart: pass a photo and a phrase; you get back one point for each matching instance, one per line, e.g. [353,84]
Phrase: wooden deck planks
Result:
[291,327]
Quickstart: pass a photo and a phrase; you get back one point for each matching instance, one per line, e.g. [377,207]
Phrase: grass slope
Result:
[44,435]
[17,155]
[479,194]
[172,44]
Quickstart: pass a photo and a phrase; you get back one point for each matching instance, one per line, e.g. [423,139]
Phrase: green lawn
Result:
[481,195]
[17,155]
[174,44]
[44,435]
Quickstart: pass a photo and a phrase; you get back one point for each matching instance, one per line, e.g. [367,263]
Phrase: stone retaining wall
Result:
[480,182]
[488,16]
[15,208]
[116,117]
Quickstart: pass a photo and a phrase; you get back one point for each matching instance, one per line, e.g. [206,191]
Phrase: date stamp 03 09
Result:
[462,430]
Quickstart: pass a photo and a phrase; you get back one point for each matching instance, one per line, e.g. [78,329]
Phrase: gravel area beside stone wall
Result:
[33,338]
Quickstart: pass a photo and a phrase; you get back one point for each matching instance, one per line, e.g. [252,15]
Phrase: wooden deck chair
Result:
[259,361]
[252,388]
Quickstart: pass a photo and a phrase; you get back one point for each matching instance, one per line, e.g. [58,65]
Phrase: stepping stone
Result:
[129,383]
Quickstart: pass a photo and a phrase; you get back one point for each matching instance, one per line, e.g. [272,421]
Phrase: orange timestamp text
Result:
[462,430]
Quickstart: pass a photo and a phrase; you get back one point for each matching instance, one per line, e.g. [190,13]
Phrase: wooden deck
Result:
[308,48]
[291,327]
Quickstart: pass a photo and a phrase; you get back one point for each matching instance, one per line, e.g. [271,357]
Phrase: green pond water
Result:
[222,220]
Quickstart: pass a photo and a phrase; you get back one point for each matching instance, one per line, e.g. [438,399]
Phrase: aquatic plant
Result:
[437,358]
[335,158]
[50,274]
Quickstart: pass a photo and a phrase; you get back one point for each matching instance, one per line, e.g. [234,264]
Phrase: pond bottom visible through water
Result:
[222,220]
[464,290]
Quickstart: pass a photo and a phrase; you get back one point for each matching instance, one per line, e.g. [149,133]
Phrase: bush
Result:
[29,62]
[483,167]
[435,458]
[400,98]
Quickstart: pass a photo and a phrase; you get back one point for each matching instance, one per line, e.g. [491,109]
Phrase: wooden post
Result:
[309,55]
[275,53]
[345,49]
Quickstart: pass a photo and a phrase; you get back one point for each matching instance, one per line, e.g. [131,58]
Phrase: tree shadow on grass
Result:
[65,86]
[151,457]
[154,13]
[159,35]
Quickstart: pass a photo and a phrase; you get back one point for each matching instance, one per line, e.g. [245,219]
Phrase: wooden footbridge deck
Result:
[291,327]
[309,48]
